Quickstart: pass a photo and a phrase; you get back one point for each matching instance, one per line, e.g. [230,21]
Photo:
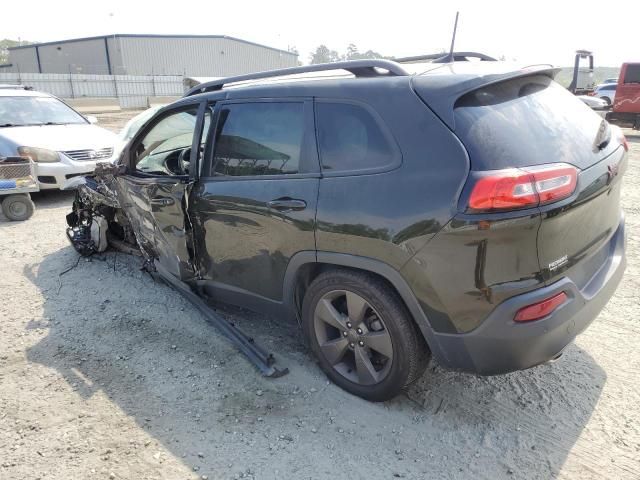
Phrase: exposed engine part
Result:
[80,236]
[97,220]
[99,228]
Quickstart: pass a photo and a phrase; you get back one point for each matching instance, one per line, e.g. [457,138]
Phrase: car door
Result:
[255,205]
[157,182]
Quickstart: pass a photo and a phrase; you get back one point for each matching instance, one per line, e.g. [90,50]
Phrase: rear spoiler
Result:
[441,88]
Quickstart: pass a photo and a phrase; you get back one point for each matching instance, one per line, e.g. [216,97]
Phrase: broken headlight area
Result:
[96,220]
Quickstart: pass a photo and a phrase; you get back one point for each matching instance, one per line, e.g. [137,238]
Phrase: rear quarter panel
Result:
[389,216]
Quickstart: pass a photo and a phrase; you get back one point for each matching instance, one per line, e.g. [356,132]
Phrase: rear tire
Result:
[362,334]
[606,99]
[18,207]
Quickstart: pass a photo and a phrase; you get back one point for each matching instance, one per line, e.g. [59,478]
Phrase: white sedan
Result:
[63,143]
[593,102]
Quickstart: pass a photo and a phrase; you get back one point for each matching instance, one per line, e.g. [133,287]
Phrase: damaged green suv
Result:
[469,212]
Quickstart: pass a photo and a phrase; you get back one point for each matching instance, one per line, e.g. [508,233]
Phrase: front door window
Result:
[166,148]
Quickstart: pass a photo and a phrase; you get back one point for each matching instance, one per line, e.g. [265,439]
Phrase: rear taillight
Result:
[516,188]
[540,309]
[625,143]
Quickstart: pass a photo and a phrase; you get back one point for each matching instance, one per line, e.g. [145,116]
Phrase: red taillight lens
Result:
[625,143]
[540,309]
[523,188]
[507,189]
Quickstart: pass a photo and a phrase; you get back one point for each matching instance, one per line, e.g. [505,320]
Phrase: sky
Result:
[530,32]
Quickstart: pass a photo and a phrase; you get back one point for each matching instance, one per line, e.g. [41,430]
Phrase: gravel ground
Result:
[105,373]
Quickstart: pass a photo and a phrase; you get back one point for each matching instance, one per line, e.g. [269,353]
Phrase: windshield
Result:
[20,111]
[137,122]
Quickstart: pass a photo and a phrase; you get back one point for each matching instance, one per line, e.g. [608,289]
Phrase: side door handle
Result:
[287,204]
[162,201]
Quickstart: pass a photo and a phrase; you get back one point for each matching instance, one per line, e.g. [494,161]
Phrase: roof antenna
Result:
[450,57]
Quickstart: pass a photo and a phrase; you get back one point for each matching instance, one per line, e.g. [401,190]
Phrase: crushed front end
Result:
[97,220]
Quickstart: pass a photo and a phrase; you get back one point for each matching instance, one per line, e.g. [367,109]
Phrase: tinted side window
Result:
[632,74]
[350,139]
[259,139]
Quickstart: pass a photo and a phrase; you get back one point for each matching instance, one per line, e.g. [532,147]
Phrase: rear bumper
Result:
[500,345]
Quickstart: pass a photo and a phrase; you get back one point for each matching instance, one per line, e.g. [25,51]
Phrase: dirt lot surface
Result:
[105,373]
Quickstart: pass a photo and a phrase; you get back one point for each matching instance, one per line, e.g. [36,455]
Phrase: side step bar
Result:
[261,359]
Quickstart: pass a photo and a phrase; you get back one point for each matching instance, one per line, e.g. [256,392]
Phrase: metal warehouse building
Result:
[192,55]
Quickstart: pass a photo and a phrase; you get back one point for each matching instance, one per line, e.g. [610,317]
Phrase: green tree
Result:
[294,49]
[5,45]
[322,54]
[354,54]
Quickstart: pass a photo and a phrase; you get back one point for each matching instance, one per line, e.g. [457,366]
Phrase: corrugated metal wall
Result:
[22,60]
[87,56]
[131,91]
[133,55]
[212,57]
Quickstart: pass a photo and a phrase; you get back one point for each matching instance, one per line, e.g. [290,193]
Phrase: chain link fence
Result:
[131,91]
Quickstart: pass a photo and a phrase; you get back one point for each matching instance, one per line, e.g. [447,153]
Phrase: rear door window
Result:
[352,140]
[526,121]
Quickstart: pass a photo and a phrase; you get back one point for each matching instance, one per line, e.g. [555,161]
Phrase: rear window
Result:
[351,140]
[632,75]
[526,121]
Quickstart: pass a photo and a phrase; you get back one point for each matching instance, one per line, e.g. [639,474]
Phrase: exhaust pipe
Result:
[554,359]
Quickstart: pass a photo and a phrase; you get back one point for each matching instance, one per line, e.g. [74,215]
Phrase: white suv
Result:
[62,142]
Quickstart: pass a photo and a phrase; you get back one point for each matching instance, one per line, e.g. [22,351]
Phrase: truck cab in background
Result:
[626,106]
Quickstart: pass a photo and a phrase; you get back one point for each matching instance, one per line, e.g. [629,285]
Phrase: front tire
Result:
[607,100]
[362,334]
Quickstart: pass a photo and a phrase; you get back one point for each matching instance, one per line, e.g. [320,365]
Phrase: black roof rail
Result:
[359,68]
[457,57]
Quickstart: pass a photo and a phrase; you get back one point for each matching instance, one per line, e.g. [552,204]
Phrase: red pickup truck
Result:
[626,106]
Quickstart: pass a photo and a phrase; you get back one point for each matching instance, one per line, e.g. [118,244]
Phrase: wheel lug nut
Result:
[361,343]
[348,324]
[352,345]
[345,334]
[359,331]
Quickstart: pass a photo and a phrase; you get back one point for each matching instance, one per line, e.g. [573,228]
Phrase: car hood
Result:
[60,137]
